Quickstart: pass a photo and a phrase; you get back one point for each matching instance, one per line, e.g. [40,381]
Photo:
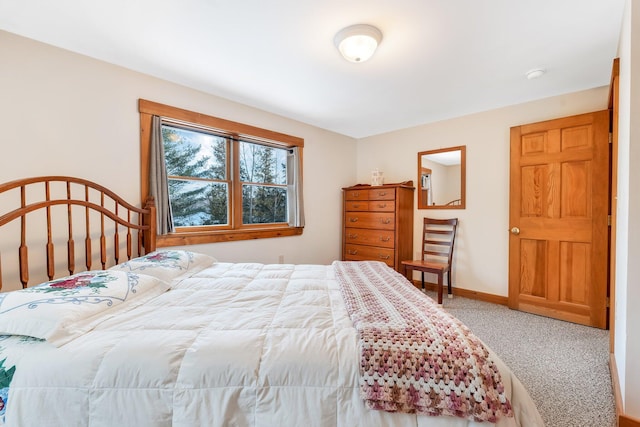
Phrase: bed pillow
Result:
[63,309]
[167,265]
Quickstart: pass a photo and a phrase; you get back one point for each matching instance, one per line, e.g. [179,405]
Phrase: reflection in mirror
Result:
[441,178]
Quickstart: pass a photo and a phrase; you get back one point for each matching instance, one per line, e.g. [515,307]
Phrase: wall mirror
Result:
[441,178]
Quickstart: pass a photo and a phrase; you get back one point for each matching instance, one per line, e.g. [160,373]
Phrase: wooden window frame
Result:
[147,110]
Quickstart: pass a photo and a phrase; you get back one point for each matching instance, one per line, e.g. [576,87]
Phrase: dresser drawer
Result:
[363,236]
[382,194]
[356,195]
[382,205]
[379,220]
[356,205]
[368,253]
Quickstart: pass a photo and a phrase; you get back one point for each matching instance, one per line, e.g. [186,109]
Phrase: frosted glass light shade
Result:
[534,74]
[357,43]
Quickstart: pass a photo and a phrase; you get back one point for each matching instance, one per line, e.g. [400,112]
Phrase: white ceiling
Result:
[438,58]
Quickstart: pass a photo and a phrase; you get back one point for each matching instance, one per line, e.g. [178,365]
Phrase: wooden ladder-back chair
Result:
[438,237]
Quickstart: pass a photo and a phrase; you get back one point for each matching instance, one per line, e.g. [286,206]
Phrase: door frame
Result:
[613,191]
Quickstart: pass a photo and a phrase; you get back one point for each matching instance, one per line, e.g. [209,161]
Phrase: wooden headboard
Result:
[61,209]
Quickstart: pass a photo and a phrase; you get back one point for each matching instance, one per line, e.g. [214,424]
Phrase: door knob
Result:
[515,230]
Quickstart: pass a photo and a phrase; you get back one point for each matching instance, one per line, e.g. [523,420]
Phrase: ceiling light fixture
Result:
[534,74]
[357,43]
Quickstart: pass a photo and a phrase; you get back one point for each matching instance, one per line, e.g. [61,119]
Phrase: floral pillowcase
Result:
[63,309]
[167,265]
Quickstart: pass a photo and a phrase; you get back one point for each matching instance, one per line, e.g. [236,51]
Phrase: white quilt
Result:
[233,345]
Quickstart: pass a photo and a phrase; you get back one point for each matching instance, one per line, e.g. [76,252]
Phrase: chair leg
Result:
[422,280]
[440,287]
[450,293]
[409,273]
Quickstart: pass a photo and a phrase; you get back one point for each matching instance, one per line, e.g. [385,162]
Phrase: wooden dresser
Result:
[378,223]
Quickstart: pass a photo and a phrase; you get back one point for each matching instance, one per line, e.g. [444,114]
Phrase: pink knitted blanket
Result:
[415,357]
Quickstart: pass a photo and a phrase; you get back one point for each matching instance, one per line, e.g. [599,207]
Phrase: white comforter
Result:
[233,345]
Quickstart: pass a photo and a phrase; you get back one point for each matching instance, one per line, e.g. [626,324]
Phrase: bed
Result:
[137,336]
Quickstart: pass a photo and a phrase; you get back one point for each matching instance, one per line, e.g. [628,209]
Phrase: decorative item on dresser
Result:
[378,223]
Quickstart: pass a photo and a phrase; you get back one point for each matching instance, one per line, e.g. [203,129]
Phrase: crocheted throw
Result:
[415,357]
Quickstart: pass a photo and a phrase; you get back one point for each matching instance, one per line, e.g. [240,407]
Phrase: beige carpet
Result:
[564,366]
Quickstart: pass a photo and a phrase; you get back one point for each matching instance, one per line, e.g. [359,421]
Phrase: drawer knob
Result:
[385,238]
[353,219]
[353,236]
[386,220]
[382,205]
[384,256]
[353,252]
[382,193]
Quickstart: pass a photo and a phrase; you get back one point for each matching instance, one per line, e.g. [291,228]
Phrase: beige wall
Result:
[481,256]
[66,114]
[627,298]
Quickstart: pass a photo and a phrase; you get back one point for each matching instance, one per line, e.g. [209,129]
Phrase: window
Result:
[198,183]
[226,181]
[263,173]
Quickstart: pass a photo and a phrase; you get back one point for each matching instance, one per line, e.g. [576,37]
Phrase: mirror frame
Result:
[463,178]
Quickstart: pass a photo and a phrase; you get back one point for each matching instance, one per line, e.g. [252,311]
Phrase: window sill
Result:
[200,237]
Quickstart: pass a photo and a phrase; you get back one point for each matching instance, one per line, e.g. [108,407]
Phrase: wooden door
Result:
[559,196]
